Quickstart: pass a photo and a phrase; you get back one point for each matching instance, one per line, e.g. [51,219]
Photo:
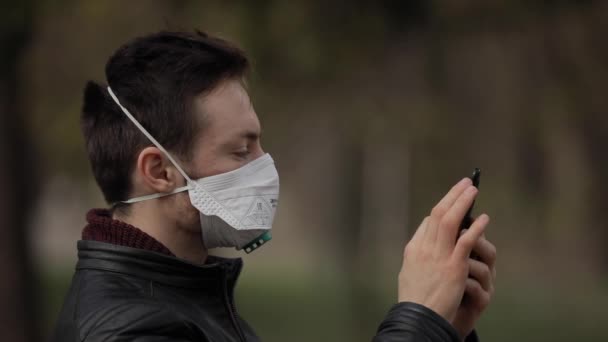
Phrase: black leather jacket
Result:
[126,294]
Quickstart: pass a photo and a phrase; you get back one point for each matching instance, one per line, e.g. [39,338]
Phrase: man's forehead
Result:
[228,110]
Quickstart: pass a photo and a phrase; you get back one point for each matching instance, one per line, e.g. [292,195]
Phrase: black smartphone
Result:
[468,219]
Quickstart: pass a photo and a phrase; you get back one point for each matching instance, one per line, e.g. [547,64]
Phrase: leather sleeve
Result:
[411,322]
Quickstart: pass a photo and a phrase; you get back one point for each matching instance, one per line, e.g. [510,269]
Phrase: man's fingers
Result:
[448,200]
[450,223]
[486,251]
[481,272]
[477,294]
[467,241]
[443,206]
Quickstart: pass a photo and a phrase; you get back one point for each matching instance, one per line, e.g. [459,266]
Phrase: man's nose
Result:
[259,152]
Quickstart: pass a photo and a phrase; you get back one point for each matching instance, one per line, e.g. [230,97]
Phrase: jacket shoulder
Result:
[136,320]
[118,307]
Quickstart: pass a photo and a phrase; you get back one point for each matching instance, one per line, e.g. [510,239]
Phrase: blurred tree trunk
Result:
[349,229]
[593,128]
[579,63]
[18,313]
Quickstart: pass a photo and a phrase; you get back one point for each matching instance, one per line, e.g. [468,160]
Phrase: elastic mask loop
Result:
[159,195]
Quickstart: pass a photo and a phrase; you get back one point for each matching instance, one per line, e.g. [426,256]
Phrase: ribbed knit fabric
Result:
[102,227]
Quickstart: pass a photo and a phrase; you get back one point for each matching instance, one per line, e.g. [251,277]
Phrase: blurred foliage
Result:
[372,110]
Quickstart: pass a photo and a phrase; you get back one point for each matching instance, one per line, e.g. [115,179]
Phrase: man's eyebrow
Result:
[252,135]
[248,134]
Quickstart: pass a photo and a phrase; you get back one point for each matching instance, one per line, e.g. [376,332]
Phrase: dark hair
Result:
[155,77]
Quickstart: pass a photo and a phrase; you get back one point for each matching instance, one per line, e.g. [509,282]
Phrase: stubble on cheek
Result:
[188,215]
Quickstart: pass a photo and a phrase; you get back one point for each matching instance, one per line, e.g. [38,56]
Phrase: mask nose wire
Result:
[149,136]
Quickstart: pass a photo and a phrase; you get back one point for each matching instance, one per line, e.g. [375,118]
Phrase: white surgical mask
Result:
[236,208]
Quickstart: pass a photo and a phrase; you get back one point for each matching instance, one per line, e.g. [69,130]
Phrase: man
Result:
[174,144]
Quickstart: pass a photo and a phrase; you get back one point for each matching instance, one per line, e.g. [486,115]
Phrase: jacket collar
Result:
[102,227]
[157,267]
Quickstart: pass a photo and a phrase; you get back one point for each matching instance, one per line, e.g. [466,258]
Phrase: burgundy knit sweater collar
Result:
[102,227]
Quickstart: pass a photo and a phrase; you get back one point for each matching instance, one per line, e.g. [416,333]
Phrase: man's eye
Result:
[242,154]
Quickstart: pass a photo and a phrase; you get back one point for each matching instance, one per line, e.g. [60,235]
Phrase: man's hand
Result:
[436,262]
[479,288]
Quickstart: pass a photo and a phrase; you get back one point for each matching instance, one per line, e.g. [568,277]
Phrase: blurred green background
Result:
[372,110]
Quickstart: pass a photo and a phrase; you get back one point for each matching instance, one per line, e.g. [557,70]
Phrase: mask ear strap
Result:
[153,196]
[149,136]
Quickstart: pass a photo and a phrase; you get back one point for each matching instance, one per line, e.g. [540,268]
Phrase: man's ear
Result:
[155,172]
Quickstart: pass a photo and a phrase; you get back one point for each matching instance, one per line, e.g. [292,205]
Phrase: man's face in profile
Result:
[231,134]
[229,138]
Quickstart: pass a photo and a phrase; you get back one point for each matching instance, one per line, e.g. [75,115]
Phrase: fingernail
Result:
[466,180]
[471,190]
[483,219]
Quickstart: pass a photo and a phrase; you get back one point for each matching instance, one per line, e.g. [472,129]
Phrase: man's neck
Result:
[184,243]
